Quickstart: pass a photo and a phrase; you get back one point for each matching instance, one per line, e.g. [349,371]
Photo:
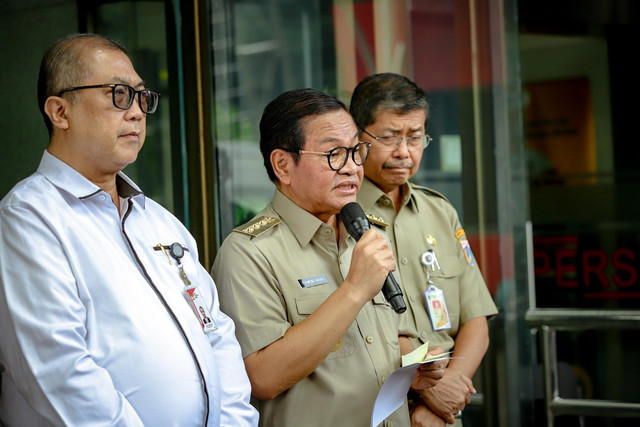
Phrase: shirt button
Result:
[404,260]
[370,339]
[102,197]
[423,334]
[413,298]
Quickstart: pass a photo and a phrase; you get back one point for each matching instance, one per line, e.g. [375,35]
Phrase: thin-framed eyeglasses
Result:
[338,156]
[392,142]
[123,95]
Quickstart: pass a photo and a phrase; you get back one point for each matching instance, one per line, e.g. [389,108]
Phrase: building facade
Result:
[534,144]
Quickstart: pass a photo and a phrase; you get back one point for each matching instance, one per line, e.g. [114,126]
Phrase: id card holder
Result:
[437,308]
[200,309]
[192,293]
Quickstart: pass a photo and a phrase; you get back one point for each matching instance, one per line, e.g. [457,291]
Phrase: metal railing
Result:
[548,322]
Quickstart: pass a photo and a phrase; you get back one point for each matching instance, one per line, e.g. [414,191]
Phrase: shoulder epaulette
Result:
[377,220]
[257,226]
[429,191]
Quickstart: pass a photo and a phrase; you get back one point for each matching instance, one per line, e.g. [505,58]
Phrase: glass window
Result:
[579,103]
[261,49]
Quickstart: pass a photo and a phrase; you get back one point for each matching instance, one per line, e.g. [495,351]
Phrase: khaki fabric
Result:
[428,221]
[270,282]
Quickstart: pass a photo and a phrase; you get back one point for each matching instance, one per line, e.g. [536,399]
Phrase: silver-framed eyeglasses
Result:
[123,95]
[392,142]
[338,156]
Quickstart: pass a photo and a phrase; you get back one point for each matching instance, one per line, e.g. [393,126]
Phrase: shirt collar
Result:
[67,178]
[369,195]
[303,225]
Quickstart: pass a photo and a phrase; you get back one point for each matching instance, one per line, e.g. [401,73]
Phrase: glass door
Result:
[583,178]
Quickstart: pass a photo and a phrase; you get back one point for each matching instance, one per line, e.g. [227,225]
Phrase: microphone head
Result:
[351,211]
[354,219]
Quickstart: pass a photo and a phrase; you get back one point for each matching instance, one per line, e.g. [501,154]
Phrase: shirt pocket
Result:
[388,320]
[307,304]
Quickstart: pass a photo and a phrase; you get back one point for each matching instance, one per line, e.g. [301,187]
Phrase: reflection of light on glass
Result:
[450,153]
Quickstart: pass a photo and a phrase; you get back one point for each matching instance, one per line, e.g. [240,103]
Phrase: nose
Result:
[402,149]
[135,112]
[350,167]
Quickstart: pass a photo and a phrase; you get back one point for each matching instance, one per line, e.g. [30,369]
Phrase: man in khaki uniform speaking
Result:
[447,299]
[318,337]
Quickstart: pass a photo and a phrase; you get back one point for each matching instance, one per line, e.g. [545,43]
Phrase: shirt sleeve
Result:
[42,339]
[250,292]
[475,299]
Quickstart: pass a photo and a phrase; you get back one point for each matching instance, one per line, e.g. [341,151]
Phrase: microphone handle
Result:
[393,294]
[390,289]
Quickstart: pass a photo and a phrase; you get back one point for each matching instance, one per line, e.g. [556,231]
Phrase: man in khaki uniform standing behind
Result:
[447,299]
[317,336]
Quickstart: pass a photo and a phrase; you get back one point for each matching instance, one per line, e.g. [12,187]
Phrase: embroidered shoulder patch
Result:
[468,254]
[466,248]
[377,220]
[257,226]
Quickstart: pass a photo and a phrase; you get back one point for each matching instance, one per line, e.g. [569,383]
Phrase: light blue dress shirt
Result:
[94,325]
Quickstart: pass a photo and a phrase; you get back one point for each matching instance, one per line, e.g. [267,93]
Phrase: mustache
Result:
[398,164]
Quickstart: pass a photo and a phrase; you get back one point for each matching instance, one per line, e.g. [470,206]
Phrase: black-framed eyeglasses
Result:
[392,142]
[338,156]
[123,95]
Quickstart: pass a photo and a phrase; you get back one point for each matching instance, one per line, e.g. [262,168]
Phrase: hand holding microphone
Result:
[357,224]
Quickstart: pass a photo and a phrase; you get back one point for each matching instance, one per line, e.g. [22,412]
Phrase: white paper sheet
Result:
[394,390]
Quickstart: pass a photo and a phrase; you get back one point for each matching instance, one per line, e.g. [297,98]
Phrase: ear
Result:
[281,162]
[57,109]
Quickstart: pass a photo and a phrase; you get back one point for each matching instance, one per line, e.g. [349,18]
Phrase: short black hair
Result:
[385,92]
[283,119]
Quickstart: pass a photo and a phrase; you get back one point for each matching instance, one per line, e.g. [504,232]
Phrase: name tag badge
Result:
[176,251]
[437,308]
[309,282]
[200,309]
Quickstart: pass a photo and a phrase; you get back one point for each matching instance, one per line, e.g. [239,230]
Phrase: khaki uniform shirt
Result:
[428,221]
[272,281]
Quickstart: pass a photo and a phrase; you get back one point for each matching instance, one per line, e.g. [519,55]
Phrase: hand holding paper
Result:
[422,354]
[431,370]
[394,391]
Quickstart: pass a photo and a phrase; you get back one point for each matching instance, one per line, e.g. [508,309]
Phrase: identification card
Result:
[437,308]
[176,250]
[200,309]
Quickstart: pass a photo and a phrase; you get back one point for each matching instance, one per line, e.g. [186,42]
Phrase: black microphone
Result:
[356,223]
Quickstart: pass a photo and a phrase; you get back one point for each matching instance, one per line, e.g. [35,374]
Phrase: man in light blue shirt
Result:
[106,315]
